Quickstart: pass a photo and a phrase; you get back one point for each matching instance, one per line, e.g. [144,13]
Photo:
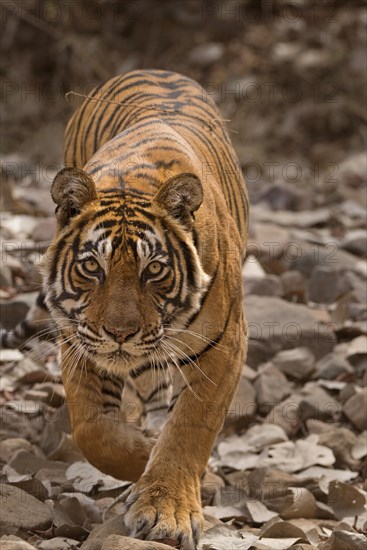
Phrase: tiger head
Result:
[123,269]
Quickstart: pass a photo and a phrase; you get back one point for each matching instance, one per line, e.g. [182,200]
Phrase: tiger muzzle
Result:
[122,334]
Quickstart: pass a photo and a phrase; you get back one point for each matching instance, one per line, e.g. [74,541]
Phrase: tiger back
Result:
[147,102]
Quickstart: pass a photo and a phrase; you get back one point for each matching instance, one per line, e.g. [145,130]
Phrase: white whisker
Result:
[167,347]
[187,357]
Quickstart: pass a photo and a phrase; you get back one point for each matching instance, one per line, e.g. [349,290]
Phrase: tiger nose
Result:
[122,334]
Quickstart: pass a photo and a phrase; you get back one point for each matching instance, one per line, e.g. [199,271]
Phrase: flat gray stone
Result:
[26,462]
[331,366]
[113,526]
[270,285]
[355,409]
[11,542]
[345,540]
[276,324]
[58,543]
[21,511]
[271,387]
[6,276]
[286,414]
[353,285]
[9,446]
[340,441]
[355,242]
[12,312]
[297,363]
[295,286]
[324,285]
[269,243]
[44,230]
[243,406]
[328,256]
[317,403]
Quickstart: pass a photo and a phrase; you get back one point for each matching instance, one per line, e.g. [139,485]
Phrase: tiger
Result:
[144,280]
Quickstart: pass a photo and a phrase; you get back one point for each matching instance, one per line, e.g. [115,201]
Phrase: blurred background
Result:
[289,77]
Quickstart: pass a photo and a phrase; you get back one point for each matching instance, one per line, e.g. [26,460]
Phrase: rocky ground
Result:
[289,468]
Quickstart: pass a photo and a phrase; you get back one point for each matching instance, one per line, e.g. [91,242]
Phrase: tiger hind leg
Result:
[153,386]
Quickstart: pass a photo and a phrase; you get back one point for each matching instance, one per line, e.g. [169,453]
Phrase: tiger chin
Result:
[143,279]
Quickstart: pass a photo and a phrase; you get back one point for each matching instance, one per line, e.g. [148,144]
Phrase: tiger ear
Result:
[71,190]
[181,196]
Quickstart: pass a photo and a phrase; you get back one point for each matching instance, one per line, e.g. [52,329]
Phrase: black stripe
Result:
[109,405]
[211,344]
[163,386]
[173,402]
[111,393]
[79,121]
[158,408]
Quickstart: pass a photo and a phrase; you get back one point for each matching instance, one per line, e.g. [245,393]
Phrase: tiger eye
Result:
[154,268]
[91,266]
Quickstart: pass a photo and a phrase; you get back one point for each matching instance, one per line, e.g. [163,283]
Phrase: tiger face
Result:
[123,268]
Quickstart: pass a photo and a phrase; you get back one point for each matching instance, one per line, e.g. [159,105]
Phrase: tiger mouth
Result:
[137,351]
[119,354]
[125,352]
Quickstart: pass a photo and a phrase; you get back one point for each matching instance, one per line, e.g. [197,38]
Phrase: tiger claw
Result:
[155,514]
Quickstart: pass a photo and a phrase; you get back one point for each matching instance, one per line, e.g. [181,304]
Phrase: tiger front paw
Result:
[165,510]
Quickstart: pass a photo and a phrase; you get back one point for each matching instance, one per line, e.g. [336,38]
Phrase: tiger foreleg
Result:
[165,502]
[115,447]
